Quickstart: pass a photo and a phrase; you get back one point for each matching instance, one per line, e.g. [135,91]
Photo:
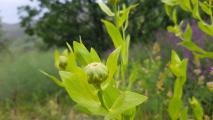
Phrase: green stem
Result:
[100,96]
[123,76]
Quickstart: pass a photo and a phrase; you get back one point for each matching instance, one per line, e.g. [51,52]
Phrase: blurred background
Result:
[30,31]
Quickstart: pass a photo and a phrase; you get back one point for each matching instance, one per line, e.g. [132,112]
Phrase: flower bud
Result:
[62,62]
[96,72]
[113,2]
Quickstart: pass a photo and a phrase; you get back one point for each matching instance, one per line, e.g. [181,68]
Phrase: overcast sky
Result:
[9,12]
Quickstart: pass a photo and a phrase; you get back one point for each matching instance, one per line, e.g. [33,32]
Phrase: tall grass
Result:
[20,78]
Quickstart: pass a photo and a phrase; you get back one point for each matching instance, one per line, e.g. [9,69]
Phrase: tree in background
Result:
[66,20]
[148,18]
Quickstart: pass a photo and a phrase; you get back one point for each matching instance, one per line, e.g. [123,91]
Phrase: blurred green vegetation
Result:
[66,20]
[27,94]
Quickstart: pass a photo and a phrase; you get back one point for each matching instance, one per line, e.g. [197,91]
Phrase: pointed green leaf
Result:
[112,62]
[195,12]
[82,55]
[110,94]
[187,35]
[174,16]
[95,57]
[53,78]
[114,33]
[175,58]
[125,15]
[81,91]
[174,109]
[125,101]
[185,5]
[208,29]
[197,109]
[170,2]
[205,7]
[105,8]
[192,46]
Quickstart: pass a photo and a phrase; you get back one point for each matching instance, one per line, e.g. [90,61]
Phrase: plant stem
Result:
[100,96]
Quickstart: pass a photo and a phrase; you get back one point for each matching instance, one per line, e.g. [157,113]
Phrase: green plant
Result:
[197,8]
[201,10]
[97,87]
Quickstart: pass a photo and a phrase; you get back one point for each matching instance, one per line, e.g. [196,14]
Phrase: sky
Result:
[9,11]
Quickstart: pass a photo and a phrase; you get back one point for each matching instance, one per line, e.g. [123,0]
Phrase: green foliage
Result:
[197,109]
[186,36]
[19,73]
[178,68]
[64,21]
[86,85]
[198,9]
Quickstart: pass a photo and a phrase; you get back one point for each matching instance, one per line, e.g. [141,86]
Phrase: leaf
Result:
[197,108]
[192,46]
[114,33]
[125,101]
[95,57]
[174,16]
[105,8]
[82,55]
[56,56]
[125,50]
[53,78]
[112,65]
[71,62]
[112,62]
[205,8]
[208,29]
[178,88]
[175,29]
[187,35]
[168,10]
[170,2]
[183,69]
[81,92]
[69,47]
[174,109]
[125,15]
[175,58]
[184,114]
[195,11]
[110,94]
[185,5]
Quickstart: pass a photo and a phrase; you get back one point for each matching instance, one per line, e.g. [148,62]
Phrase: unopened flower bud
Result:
[96,72]
[62,62]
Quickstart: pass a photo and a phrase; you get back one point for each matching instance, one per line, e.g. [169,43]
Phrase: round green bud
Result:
[96,72]
[113,2]
[62,62]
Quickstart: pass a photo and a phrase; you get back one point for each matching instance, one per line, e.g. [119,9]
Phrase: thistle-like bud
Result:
[62,62]
[113,2]
[96,72]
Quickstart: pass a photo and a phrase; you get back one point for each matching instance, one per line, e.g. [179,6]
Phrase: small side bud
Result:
[96,72]
[62,62]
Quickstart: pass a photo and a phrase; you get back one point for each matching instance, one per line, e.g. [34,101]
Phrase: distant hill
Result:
[12,31]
